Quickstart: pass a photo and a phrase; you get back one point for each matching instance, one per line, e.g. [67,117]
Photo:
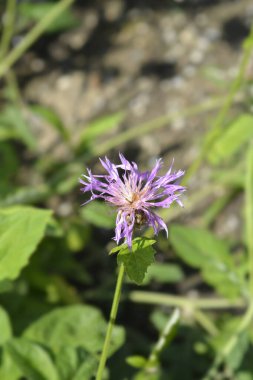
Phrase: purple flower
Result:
[134,193]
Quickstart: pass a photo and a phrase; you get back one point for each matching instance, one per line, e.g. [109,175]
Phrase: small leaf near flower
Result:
[118,248]
[137,260]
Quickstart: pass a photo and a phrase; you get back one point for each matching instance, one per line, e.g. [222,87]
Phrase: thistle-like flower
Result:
[135,194]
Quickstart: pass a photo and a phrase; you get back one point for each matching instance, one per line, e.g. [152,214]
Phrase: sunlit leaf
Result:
[164,273]
[230,141]
[101,125]
[21,229]
[25,195]
[8,369]
[99,214]
[201,249]
[97,128]
[5,326]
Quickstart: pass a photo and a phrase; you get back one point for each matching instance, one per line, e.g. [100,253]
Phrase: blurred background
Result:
[156,78]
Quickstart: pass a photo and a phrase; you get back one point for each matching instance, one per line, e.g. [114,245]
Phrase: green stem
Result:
[33,35]
[169,300]
[113,315]
[8,27]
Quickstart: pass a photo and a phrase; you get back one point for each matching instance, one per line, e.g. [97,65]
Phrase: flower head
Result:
[135,194]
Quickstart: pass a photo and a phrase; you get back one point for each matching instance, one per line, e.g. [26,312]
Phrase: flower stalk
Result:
[113,314]
[135,195]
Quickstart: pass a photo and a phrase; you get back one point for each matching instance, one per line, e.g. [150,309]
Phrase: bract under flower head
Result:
[135,194]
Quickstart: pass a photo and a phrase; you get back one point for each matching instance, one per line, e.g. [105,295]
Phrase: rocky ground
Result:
[146,58]
[147,61]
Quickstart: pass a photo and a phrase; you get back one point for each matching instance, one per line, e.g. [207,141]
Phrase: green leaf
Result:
[244,375]
[228,333]
[201,249]
[21,229]
[5,326]
[26,195]
[87,369]
[138,259]
[36,11]
[118,248]
[74,326]
[136,361]
[6,286]
[67,362]
[230,141]
[196,245]
[14,126]
[76,364]
[32,360]
[235,357]
[215,208]
[9,166]
[51,117]
[164,273]
[99,126]
[99,214]
[8,369]
[249,208]
[7,133]
[231,177]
